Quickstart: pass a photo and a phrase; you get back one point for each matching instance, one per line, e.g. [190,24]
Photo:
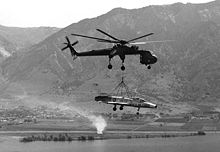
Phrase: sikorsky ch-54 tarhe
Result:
[120,48]
[125,101]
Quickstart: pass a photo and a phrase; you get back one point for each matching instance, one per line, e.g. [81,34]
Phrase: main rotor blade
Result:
[109,41]
[147,42]
[140,37]
[67,39]
[100,39]
[75,43]
[107,34]
[64,48]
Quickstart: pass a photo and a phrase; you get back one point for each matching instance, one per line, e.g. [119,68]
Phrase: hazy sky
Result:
[61,13]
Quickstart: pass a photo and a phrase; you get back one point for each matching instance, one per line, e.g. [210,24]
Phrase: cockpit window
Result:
[136,98]
[142,100]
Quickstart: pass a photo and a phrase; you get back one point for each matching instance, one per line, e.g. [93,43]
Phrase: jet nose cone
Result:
[154,59]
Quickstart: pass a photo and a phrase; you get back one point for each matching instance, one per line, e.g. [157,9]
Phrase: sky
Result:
[61,13]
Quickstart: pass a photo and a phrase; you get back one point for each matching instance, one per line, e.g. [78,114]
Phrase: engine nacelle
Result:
[147,58]
[134,47]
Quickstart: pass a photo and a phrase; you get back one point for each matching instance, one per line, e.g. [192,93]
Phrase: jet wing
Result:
[117,103]
[100,52]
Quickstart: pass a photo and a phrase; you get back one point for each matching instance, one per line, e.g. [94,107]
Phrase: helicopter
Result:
[121,48]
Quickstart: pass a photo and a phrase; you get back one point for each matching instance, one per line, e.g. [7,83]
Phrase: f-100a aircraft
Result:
[125,101]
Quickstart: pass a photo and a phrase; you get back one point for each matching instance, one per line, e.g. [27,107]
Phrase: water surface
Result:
[178,144]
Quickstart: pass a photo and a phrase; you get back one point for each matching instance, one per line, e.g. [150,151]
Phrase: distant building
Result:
[206,115]
[209,128]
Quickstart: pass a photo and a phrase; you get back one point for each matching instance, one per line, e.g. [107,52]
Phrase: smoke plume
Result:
[97,121]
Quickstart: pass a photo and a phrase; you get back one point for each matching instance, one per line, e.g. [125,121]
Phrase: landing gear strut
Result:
[114,108]
[109,66]
[138,111]
[109,63]
[122,57]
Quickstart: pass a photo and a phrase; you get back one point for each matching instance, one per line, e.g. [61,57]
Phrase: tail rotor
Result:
[70,46]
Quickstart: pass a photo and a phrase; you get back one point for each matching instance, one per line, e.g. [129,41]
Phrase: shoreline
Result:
[104,132]
[62,137]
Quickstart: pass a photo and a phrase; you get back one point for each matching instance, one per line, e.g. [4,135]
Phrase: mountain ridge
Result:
[25,37]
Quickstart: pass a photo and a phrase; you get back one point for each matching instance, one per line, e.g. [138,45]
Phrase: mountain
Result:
[6,47]
[26,37]
[15,40]
[188,69]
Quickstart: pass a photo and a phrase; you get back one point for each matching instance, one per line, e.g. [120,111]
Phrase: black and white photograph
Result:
[109,76]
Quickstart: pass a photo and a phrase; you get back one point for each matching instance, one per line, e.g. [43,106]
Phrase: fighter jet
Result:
[125,101]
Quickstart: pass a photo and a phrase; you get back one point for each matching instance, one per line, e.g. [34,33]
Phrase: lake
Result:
[177,144]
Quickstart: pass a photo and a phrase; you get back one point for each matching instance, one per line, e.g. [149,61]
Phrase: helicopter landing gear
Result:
[109,66]
[138,111]
[149,67]
[114,108]
[122,57]
[109,63]
[121,108]
[122,67]
[123,60]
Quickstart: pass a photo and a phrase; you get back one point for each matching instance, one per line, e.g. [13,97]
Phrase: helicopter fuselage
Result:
[146,57]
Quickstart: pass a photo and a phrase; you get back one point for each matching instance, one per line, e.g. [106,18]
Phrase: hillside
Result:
[188,70]
[26,37]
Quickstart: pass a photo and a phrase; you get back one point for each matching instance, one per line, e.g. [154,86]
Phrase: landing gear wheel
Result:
[149,67]
[114,108]
[122,67]
[109,66]
[121,108]
[138,111]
